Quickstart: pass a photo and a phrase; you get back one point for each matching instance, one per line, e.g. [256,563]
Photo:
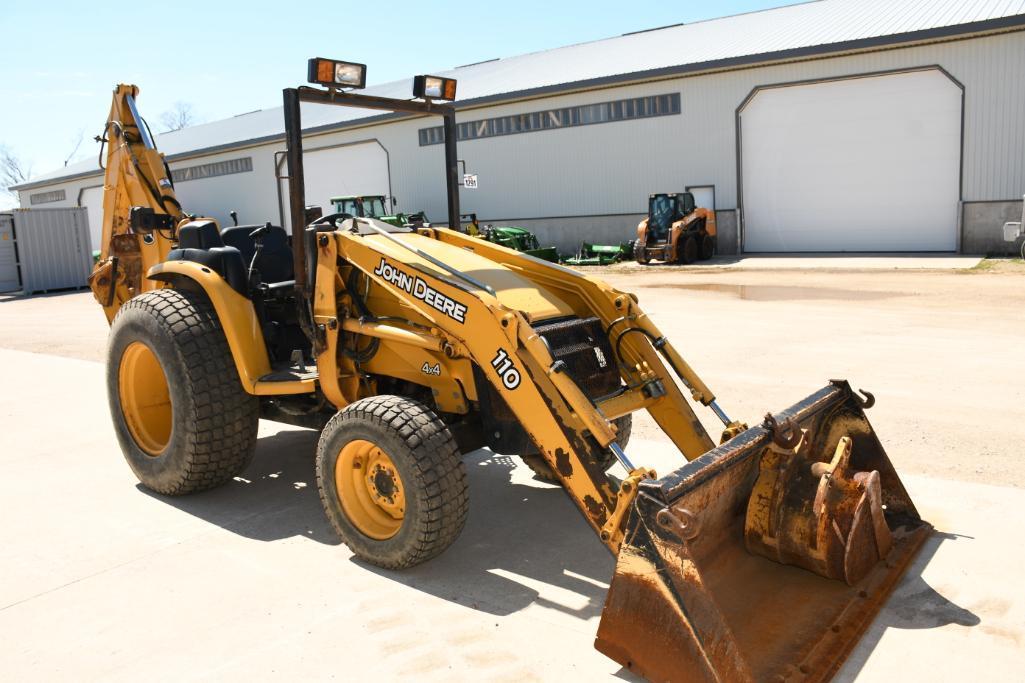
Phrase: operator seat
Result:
[199,242]
[274,262]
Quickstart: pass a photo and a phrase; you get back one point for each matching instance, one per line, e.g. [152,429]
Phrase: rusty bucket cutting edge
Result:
[696,597]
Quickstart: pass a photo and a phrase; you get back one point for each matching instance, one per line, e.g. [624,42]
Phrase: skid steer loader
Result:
[675,230]
[761,558]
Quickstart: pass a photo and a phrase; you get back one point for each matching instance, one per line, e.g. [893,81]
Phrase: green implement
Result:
[520,239]
[600,254]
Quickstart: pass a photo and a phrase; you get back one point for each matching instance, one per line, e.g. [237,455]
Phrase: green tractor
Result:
[375,206]
[520,239]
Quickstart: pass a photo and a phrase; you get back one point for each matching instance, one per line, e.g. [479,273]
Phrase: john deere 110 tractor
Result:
[762,557]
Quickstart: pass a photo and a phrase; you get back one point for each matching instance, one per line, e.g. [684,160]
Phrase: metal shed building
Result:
[837,125]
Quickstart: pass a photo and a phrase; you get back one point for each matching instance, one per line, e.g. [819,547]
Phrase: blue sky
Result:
[62,58]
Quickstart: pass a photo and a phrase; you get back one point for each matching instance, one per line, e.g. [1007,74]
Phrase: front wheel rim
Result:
[370,490]
[145,398]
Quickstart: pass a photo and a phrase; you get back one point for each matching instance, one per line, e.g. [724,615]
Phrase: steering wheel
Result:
[332,218]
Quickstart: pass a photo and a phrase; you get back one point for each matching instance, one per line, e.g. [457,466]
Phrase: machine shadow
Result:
[523,545]
[914,604]
[274,498]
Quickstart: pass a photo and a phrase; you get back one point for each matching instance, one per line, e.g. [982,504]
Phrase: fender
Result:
[709,221]
[688,221]
[240,324]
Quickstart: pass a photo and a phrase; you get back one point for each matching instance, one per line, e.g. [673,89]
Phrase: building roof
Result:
[795,31]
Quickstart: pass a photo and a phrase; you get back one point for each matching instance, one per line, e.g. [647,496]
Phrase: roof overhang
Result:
[909,39]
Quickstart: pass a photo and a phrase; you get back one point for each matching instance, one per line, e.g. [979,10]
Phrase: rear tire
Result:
[183,420]
[689,250]
[414,497]
[543,472]
[707,247]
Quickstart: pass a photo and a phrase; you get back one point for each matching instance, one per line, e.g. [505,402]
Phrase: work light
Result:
[434,88]
[336,74]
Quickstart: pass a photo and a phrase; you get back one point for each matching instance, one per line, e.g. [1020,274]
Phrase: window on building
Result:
[566,117]
[227,167]
[47,197]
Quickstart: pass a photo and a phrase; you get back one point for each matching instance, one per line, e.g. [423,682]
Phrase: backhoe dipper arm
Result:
[136,175]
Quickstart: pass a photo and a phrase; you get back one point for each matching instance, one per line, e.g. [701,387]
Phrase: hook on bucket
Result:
[784,434]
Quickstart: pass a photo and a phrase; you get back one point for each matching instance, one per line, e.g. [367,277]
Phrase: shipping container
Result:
[50,248]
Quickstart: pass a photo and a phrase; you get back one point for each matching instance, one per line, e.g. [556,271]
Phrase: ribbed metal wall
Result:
[53,248]
[609,169]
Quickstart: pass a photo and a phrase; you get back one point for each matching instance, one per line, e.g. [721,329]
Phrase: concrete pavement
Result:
[847,262]
[101,580]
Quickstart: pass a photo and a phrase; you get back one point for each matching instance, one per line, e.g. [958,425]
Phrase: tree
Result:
[13,170]
[78,143]
[178,117]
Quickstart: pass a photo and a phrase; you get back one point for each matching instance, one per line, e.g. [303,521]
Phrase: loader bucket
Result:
[766,558]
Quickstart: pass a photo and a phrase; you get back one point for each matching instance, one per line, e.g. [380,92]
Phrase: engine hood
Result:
[511,289]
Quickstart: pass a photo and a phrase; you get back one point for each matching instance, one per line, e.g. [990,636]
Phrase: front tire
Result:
[688,250]
[639,254]
[183,420]
[391,481]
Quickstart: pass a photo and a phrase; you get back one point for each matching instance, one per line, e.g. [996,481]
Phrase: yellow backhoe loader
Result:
[761,558]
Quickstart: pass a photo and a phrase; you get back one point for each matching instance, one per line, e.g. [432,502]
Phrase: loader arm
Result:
[569,429]
[636,334]
[135,177]
[502,343]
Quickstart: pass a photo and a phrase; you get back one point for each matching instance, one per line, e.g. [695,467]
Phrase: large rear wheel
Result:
[391,481]
[182,418]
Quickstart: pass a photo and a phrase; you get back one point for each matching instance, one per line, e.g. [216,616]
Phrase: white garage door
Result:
[92,200]
[359,169]
[863,164]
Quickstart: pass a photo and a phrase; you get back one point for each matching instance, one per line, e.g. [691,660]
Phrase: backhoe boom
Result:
[137,182]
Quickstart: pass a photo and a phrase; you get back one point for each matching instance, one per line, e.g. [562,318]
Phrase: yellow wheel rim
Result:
[145,398]
[370,489]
